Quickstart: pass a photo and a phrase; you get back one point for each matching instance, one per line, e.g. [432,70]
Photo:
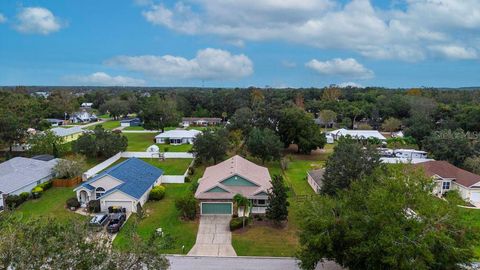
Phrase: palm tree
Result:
[242,201]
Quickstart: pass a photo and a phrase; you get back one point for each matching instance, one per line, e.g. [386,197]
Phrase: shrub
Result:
[187,179]
[13,201]
[187,205]
[237,223]
[157,193]
[194,186]
[46,185]
[24,196]
[37,192]
[166,149]
[73,203]
[191,170]
[93,206]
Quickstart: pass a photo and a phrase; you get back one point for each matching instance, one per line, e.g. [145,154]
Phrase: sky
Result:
[240,43]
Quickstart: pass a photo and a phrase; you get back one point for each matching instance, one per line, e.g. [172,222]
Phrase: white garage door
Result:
[475,196]
[125,204]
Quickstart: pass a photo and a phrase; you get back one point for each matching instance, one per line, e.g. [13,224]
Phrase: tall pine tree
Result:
[277,210]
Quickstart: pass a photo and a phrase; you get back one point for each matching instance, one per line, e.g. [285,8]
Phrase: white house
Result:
[123,185]
[357,134]
[177,136]
[21,174]
[86,105]
[329,138]
[448,177]
[409,153]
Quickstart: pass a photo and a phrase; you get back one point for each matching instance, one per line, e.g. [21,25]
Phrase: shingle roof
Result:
[239,166]
[317,176]
[447,170]
[137,177]
[19,172]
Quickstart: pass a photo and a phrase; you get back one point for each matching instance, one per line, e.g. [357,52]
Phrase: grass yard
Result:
[52,204]
[139,142]
[170,166]
[134,128]
[265,240]
[106,125]
[162,214]
[472,218]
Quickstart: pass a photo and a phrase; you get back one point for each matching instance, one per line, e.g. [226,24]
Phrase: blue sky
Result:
[402,43]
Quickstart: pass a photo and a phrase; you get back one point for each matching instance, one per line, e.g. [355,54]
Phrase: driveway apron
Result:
[214,237]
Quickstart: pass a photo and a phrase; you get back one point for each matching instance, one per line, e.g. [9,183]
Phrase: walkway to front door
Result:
[214,237]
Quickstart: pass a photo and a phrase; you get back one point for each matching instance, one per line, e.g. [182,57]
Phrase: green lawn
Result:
[52,203]
[134,128]
[106,125]
[263,240]
[162,214]
[139,142]
[472,218]
[170,166]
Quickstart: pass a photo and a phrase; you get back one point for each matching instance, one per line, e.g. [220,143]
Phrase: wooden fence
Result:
[67,182]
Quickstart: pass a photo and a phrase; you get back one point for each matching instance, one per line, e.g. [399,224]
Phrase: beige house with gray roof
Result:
[236,175]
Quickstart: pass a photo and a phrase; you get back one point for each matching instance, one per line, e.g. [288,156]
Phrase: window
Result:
[446,185]
[99,192]
[261,202]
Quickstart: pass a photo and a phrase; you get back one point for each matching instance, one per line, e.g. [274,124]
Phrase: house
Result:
[86,105]
[357,134]
[21,174]
[55,122]
[200,121]
[177,136]
[83,117]
[329,138]
[68,134]
[131,122]
[236,175]
[123,185]
[409,153]
[448,177]
[41,94]
[315,179]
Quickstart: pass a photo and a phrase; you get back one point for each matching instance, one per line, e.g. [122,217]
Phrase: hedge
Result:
[73,203]
[237,223]
[157,193]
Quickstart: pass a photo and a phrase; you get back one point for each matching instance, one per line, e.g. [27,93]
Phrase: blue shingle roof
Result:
[137,176]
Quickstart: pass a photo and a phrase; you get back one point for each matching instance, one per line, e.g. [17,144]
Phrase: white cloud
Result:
[103,79]
[405,32]
[455,52]
[37,20]
[349,68]
[2,18]
[208,64]
[349,84]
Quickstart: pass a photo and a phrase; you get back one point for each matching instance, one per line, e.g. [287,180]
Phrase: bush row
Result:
[14,201]
[237,223]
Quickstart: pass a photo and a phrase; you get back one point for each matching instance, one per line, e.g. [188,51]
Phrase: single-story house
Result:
[22,174]
[200,121]
[86,105]
[131,122]
[177,136]
[55,122]
[448,177]
[68,134]
[315,179]
[123,185]
[409,153]
[236,175]
[357,134]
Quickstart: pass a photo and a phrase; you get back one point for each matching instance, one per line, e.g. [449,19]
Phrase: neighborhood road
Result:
[214,237]
[240,263]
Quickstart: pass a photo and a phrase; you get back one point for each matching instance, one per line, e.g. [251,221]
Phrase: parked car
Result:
[116,222]
[99,220]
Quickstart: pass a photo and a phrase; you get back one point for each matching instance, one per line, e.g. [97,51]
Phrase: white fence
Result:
[168,178]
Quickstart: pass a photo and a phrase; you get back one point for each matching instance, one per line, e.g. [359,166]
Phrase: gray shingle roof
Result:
[317,175]
[62,132]
[19,172]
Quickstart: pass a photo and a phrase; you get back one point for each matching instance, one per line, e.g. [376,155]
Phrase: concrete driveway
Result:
[214,237]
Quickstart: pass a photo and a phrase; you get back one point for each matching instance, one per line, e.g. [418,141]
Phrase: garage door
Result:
[475,196]
[125,204]
[217,208]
